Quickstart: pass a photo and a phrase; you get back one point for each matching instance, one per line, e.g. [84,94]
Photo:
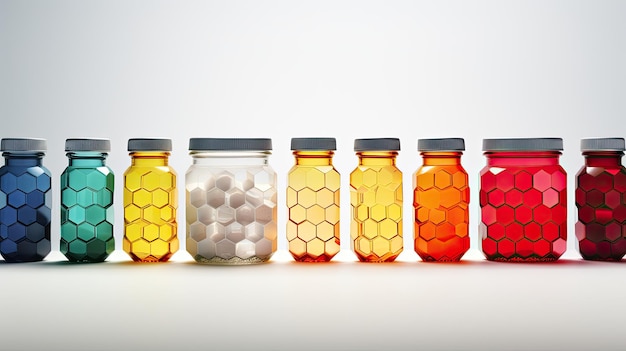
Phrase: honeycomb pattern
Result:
[25,202]
[231,214]
[376,204]
[441,203]
[524,213]
[87,214]
[313,202]
[601,203]
[150,203]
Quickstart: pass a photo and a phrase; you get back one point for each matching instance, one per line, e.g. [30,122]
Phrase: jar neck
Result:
[612,159]
[377,158]
[86,159]
[149,158]
[442,158]
[523,158]
[314,158]
[23,159]
[230,158]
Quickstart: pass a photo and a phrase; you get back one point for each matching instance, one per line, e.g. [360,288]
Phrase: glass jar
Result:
[87,186]
[25,201]
[313,201]
[441,201]
[230,201]
[376,201]
[150,201]
[523,200]
[601,200]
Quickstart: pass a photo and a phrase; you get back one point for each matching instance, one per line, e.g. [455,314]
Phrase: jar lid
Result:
[149,144]
[230,144]
[442,144]
[23,144]
[377,144]
[523,144]
[313,144]
[602,144]
[88,144]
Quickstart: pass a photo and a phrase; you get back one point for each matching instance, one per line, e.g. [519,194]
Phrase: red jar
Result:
[523,200]
[601,200]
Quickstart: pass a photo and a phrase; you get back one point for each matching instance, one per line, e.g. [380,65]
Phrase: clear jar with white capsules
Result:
[230,201]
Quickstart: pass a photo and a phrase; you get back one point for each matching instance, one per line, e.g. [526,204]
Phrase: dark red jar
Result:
[601,200]
[523,200]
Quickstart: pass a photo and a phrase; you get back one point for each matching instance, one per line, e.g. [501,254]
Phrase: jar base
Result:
[234,261]
[523,260]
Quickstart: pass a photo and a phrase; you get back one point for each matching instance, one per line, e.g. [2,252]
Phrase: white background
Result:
[279,69]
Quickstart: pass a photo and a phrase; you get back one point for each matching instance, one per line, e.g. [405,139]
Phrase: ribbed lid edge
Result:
[228,144]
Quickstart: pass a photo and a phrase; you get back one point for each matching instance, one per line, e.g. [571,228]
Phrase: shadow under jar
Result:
[523,200]
[230,201]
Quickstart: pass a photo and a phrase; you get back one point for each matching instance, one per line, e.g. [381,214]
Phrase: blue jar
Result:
[25,201]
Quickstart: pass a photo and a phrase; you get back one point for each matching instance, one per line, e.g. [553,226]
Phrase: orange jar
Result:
[441,201]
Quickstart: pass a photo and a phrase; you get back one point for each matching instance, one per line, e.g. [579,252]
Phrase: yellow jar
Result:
[150,202]
[313,201]
[376,201]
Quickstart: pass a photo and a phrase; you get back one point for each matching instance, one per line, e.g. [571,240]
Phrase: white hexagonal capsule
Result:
[207,214]
[245,249]
[225,249]
[207,248]
[215,198]
[197,231]
[254,232]
[263,248]
[245,215]
[225,181]
[235,232]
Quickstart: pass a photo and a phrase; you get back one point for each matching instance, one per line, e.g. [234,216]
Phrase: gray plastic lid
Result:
[523,144]
[313,144]
[87,144]
[602,144]
[23,145]
[441,144]
[230,144]
[377,144]
[149,144]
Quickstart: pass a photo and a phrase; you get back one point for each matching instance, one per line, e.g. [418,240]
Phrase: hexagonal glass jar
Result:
[441,201]
[230,201]
[376,201]
[150,201]
[523,200]
[601,200]
[313,186]
[25,201]
[87,186]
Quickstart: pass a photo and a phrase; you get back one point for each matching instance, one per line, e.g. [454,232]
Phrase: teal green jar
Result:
[87,201]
